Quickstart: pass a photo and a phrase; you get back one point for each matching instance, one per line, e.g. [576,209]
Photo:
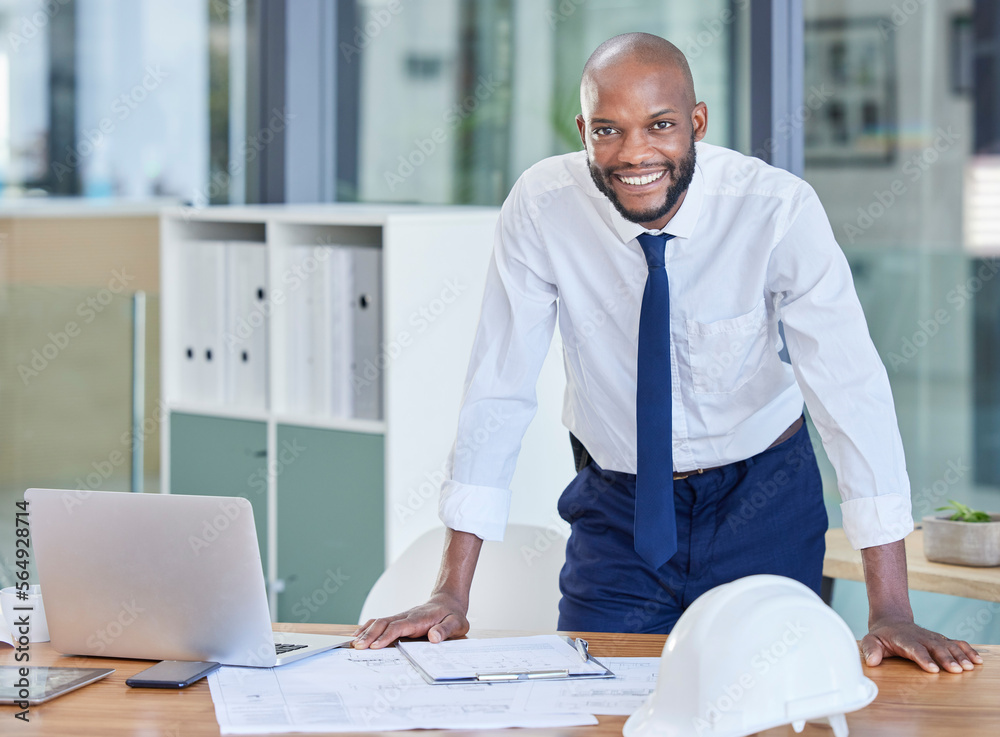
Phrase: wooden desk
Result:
[910,702]
[842,561]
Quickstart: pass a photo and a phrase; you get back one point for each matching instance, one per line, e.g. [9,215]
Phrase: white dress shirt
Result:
[752,245]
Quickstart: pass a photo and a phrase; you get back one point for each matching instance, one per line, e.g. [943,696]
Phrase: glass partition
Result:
[888,152]
[458,98]
[66,394]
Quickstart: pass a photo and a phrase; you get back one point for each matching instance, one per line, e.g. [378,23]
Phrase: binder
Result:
[539,657]
[367,365]
[306,359]
[337,333]
[246,326]
[333,366]
[201,356]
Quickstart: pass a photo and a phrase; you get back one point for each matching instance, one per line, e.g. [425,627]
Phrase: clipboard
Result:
[456,661]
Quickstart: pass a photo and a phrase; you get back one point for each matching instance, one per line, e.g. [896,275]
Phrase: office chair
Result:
[516,586]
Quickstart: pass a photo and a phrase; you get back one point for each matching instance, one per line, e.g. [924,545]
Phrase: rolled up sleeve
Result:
[842,378]
[515,330]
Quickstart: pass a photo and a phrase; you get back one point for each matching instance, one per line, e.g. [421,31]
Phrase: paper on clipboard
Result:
[503,659]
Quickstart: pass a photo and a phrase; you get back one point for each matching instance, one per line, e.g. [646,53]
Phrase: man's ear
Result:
[699,120]
[581,125]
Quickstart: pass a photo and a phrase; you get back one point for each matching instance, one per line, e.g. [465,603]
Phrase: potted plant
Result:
[964,537]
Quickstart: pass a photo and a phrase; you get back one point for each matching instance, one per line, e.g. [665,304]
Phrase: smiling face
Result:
[639,126]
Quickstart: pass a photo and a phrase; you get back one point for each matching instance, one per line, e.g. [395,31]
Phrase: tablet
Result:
[44,683]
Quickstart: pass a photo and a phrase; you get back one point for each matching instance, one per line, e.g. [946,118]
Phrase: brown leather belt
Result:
[792,429]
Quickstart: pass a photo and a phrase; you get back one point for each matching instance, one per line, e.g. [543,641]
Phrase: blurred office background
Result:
[110,109]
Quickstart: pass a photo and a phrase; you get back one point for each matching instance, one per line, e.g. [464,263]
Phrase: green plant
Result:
[964,513]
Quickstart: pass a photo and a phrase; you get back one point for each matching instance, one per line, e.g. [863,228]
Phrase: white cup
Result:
[15,608]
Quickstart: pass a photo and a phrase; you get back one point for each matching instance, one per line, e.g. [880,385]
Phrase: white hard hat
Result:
[750,655]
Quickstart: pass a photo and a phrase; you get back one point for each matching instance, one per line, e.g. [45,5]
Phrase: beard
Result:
[680,174]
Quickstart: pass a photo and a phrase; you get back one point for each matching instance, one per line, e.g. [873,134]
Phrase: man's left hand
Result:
[927,649]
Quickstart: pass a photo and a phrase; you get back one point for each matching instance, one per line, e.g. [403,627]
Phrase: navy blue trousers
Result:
[761,515]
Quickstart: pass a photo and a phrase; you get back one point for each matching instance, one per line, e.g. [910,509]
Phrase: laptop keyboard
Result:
[286,647]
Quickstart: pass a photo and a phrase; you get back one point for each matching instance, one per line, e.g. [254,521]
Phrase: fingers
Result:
[367,632]
[451,626]
[970,652]
[945,657]
[383,632]
[921,656]
[959,653]
[438,624]
[930,650]
[934,655]
[872,650]
[876,650]
[374,629]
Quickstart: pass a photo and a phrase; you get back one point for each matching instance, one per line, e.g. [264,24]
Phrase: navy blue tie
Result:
[655,525]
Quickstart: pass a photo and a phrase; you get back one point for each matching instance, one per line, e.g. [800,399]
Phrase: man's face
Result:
[639,127]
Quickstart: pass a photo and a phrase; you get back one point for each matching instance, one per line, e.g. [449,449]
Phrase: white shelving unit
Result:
[414,323]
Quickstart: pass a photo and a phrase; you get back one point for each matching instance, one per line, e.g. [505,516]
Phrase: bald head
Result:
[636,51]
[639,124]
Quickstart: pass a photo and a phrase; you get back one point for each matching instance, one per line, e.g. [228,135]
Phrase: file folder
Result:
[201,332]
[336,333]
[504,659]
[246,326]
[307,356]
[366,367]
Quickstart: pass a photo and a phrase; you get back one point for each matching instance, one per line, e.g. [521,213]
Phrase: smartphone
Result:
[172,674]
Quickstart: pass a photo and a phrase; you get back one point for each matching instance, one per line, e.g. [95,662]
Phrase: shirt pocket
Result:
[726,354]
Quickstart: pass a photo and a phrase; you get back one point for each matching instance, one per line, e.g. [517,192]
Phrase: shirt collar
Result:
[681,225]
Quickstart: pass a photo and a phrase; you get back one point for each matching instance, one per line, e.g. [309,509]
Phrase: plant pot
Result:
[962,543]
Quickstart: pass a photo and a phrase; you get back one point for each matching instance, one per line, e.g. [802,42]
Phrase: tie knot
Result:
[654,248]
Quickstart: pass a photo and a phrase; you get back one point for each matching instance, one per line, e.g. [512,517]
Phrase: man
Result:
[671,264]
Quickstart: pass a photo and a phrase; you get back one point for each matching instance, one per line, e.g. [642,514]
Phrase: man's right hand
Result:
[440,618]
[444,614]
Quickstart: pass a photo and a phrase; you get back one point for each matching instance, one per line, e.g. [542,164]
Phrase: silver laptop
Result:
[158,577]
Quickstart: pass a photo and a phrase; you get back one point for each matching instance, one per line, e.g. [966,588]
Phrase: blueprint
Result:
[374,690]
